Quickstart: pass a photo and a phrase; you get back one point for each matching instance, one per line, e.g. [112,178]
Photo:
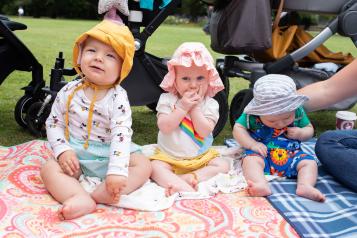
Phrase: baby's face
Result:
[278,121]
[100,63]
[191,79]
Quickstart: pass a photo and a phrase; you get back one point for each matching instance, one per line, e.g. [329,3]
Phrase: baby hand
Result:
[69,163]
[293,133]
[201,94]
[260,148]
[188,100]
[114,185]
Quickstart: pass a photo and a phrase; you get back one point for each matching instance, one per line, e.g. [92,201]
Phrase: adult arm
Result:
[340,86]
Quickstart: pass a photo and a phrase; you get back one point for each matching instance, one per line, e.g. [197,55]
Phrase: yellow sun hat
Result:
[117,36]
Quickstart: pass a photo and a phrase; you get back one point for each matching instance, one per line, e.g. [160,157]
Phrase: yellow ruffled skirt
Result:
[184,166]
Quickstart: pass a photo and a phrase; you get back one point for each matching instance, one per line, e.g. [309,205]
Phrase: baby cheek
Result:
[289,121]
[204,87]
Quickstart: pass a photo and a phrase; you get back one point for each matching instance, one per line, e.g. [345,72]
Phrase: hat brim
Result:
[188,54]
[110,33]
[281,106]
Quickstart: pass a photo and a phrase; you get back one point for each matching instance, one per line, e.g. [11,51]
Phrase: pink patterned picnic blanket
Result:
[27,210]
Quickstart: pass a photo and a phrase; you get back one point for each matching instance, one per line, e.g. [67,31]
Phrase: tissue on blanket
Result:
[151,197]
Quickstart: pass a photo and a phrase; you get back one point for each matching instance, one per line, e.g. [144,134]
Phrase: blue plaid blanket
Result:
[336,217]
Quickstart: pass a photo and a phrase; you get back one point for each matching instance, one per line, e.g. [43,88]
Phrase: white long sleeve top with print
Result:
[111,124]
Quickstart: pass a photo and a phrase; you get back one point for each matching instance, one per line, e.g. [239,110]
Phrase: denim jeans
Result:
[337,151]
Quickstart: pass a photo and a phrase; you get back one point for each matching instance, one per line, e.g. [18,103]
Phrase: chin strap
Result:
[95,87]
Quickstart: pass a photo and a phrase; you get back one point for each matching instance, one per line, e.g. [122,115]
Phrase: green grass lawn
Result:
[46,37]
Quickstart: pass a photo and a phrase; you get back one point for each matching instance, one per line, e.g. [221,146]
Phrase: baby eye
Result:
[185,78]
[90,50]
[111,56]
[200,78]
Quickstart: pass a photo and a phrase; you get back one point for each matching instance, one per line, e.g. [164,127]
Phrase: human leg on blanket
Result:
[337,151]
[76,201]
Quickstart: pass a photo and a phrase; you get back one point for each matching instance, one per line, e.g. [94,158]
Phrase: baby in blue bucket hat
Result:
[271,129]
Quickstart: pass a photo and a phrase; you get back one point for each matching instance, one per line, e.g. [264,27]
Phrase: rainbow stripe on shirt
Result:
[187,127]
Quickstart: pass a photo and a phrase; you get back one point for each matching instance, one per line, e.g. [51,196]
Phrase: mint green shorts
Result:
[95,159]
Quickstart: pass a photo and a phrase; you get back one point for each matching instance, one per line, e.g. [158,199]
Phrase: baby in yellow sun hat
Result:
[89,127]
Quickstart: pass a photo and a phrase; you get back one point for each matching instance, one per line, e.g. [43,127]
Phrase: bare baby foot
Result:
[76,206]
[191,179]
[100,195]
[258,189]
[310,192]
[171,189]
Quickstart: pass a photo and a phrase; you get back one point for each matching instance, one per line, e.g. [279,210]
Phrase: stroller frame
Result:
[142,83]
[249,69]
[16,56]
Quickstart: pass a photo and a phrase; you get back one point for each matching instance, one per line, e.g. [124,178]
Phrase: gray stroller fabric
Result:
[243,26]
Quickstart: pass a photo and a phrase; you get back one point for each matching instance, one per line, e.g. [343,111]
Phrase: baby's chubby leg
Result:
[307,175]
[253,170]
[215,166]
[65,189]
[163,175]
[191,179]
[139,173]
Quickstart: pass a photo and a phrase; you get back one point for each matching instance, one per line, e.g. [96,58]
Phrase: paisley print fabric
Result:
[27,210]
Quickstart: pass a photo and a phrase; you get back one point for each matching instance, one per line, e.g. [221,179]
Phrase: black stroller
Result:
[32,109]
[142,84]
[245,66]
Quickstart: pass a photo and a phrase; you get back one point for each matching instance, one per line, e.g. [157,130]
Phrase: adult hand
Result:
[69,163]
[114,185]
[260,148]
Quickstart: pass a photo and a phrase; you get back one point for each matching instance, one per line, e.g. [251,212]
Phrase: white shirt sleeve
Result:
[121,132]
[166,103]
[55,124]
[211,109]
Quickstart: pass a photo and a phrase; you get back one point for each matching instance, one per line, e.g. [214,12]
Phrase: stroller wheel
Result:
[239,101]
[36,120]
[221,98]
[21,109]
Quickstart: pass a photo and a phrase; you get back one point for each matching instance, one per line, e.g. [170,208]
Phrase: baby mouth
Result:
[96,68]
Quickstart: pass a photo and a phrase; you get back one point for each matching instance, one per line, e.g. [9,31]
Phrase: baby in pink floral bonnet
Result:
[186,117]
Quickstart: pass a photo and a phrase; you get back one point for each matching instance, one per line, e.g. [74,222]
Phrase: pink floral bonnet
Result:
[187,54]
